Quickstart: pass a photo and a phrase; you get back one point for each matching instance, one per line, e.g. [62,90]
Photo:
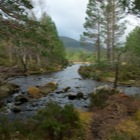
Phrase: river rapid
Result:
[68,77]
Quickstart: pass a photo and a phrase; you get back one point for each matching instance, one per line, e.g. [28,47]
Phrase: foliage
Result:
[132,46]
[79,55]
[98,100]
[13,10]
[97,71]
[106,72]
[60,122]
[133,7]
[103,26]
[93,25]
[37,46]
[52,123]
[117,119]
[132,74]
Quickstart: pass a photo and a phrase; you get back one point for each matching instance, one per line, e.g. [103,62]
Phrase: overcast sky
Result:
[69,16]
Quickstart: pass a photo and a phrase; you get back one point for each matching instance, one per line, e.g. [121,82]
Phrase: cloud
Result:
[68,16]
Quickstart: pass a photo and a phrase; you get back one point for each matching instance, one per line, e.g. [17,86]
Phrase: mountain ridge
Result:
[70,43]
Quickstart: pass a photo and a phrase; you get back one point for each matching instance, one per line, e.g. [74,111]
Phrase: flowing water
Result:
[68,77]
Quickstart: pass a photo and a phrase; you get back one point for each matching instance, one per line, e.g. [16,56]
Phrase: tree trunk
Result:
[113,30]
[23,64]
[116,72]
[108,42]
[10,51]
[38,60]
[99,42]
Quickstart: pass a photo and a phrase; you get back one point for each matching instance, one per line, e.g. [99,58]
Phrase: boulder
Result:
[39,91]
[34,92]
[16,109]
[7,89]
[102,88]
[66,89]
[52,85]
[63,90]
[80,95]
[1,103]
[49,87]
[72,96]
[20,99]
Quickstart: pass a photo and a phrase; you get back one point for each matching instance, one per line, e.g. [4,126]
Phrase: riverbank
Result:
[116,115]
[108,119]
[79,62]
[113,115]
[127,75]
[15,71]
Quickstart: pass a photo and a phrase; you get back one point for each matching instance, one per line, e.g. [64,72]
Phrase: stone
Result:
[7,89]
[104,88]
[1,103]
[72,97]
[17,103]
[66,89]
[16,109]
[80,95]
[48,88]
[63,90]
[21,98]
[34,92]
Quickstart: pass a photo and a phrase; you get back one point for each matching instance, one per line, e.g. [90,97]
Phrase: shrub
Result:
[99,99]
[57,123]
[52,123]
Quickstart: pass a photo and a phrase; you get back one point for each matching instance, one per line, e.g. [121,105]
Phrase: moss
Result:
[34,92]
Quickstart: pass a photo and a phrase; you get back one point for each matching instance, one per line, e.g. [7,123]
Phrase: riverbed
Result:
[68,77]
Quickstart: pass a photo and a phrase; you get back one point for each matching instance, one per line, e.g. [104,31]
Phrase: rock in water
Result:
[21,98]
[16,109]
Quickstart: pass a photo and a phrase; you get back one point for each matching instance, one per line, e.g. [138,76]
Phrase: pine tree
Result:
[92,25]
[103,24]
[14,10]
[54,47]
[113,26]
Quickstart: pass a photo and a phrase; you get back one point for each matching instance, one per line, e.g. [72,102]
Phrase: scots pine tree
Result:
[113,25]
[92,25]
[104,24]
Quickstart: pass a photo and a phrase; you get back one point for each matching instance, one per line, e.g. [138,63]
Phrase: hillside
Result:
[73,44]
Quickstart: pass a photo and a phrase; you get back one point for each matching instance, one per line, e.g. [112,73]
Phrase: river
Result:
[68,77]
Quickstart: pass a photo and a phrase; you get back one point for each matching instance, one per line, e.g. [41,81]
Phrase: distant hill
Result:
[73,44]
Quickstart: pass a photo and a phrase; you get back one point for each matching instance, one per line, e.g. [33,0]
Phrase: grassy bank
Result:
[128,74]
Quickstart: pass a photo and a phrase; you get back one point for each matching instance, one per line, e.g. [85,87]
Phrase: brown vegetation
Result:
[117,120]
